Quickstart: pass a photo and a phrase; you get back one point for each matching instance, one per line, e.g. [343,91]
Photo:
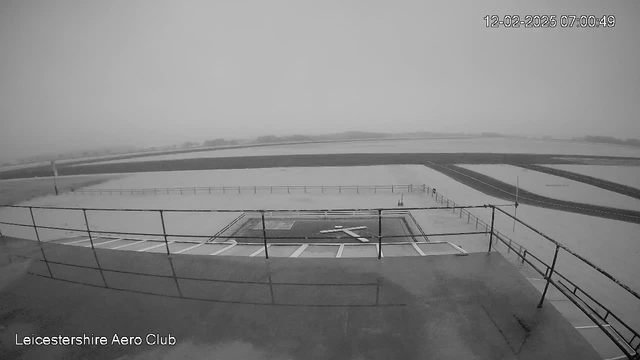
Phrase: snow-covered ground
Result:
[485,145]
[339,175]
[556,187]
[625,175]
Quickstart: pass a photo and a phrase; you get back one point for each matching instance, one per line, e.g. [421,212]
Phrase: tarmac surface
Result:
[435,307]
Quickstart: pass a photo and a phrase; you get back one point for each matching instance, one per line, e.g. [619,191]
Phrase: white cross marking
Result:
[348,232]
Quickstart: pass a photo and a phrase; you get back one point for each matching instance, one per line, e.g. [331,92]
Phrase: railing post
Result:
[264,235]
[86,221]
[33,219]
[548,277]
[493,217]
[164,232]
[379,234]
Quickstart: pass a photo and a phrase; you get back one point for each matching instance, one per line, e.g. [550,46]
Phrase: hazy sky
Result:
[78,74]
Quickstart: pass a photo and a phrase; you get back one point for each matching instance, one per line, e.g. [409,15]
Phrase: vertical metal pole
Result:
[164,232]
[340,189]
[34,224]
[86,221]
[493,217]
[477,222]
[546,286]
[379,234]
[468,217]
[391,188]
[255,191]
[264,235]
[55,185]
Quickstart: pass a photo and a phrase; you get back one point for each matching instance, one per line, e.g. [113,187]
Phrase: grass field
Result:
[556,187]
[625,175]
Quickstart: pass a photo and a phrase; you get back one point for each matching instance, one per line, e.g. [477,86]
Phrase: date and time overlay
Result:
[550,21]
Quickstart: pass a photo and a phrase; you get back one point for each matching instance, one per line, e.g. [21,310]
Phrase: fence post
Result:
[493,216]
[548,277]
[264,235]
[86,221]
[379,234]
[164,232]
[34,223]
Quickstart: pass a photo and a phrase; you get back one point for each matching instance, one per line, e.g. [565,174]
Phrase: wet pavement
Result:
[426,307]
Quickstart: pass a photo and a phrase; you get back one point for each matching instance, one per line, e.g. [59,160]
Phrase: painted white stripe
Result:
[76,242]
[299,251]
[259,251]
[154,246]
[223,249]
[125,245]
[591,326]
[352,234]
[189,248]
[343,229]
[463,251]
[415,246]
[102,243]
[340,250]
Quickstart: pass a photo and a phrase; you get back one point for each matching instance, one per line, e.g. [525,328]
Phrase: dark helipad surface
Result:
[305,230]
[433,307]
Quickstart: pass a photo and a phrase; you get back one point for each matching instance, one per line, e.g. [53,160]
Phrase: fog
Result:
[87,74]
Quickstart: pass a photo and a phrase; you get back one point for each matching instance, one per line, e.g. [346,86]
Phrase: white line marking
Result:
[343,229]
[259,251]
[415,246]
[340,250]
[591,326]
[223,249]
[299,251]
[102,243]
[189,248]
[154,246]
[352,234]
[125,245]
[76,242]
[463,251]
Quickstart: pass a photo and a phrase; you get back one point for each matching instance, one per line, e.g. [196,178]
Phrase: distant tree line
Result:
[610,140]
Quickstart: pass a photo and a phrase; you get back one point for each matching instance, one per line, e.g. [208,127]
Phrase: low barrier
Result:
[262,189]
[624,336]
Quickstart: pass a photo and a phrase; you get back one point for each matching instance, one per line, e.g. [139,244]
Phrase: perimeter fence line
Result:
[259,189]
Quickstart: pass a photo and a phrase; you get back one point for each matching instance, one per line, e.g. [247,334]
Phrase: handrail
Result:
[597,268]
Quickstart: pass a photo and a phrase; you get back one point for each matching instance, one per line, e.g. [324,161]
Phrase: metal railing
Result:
[624,336]
[628,344]
[262,189]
